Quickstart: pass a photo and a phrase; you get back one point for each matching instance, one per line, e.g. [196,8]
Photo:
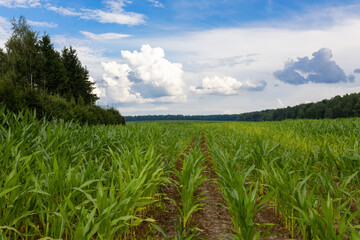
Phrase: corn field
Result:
[296,179]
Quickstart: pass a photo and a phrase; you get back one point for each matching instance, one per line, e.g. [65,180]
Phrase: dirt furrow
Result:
[267,215]
[167,216]
[213,219]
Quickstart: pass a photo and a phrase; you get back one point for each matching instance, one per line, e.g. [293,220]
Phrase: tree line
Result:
[346,106]
[337,107]
[215,117]
[33,74]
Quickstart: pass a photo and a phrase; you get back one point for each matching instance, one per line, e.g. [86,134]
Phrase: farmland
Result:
[295,179]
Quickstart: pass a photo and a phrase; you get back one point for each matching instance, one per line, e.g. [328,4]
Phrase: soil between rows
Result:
[166,218]
[213,219]
[266,215]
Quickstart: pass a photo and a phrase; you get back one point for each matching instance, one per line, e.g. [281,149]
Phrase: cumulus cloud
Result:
[146,77]
[319,69]
[226,86]
[113,13]
[156,3]
[20,3]
[42,24]
[357,70]
[98,91]
[104,36]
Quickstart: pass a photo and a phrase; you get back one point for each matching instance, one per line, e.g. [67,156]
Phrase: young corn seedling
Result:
[190,178]
[241,197]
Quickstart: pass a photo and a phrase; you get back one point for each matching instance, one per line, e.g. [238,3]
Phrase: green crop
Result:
[65,181]
[62,180]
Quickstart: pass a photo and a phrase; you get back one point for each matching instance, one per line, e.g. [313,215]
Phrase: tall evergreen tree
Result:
[78,84]
[53,74]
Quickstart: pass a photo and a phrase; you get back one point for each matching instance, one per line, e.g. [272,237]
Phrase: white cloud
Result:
[97,90]
[144,110]
[104,36]
[319,69]
[118,85]
[145,77]
[5,31]
[62,10]
[20,3]
[41,24]
[218,53]
[122,17]
[114,13]
[274,42]
[156,3]
[226,86]
[91,56]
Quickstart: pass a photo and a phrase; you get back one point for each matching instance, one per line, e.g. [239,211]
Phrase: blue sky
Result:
[204,57]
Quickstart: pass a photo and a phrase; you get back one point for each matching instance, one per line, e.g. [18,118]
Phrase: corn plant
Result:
[241,196]
[190,177]
[65,181]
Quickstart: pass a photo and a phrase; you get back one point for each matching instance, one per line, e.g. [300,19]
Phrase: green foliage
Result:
[190,178]
[309,168]
[62,180]
[34,75]
[53,79]
[78,85]
[241,196]
[346,106]
[56,107]
[23,56]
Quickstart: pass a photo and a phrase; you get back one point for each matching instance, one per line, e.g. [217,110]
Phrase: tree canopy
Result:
[32,70]
[337,107]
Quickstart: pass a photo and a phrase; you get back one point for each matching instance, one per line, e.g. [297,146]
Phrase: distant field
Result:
[180,180]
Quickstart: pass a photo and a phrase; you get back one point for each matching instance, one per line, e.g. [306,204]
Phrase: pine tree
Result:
[78,84]
[53,75]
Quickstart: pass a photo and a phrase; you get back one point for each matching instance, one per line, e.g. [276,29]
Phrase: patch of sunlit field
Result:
[307,170]
[62,180]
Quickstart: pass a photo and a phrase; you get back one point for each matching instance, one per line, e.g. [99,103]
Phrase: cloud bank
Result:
[226,86]
[357,70]
[146,77]
[319,69]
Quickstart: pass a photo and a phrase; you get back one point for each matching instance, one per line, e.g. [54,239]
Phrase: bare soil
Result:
[267,215]
[213,219]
